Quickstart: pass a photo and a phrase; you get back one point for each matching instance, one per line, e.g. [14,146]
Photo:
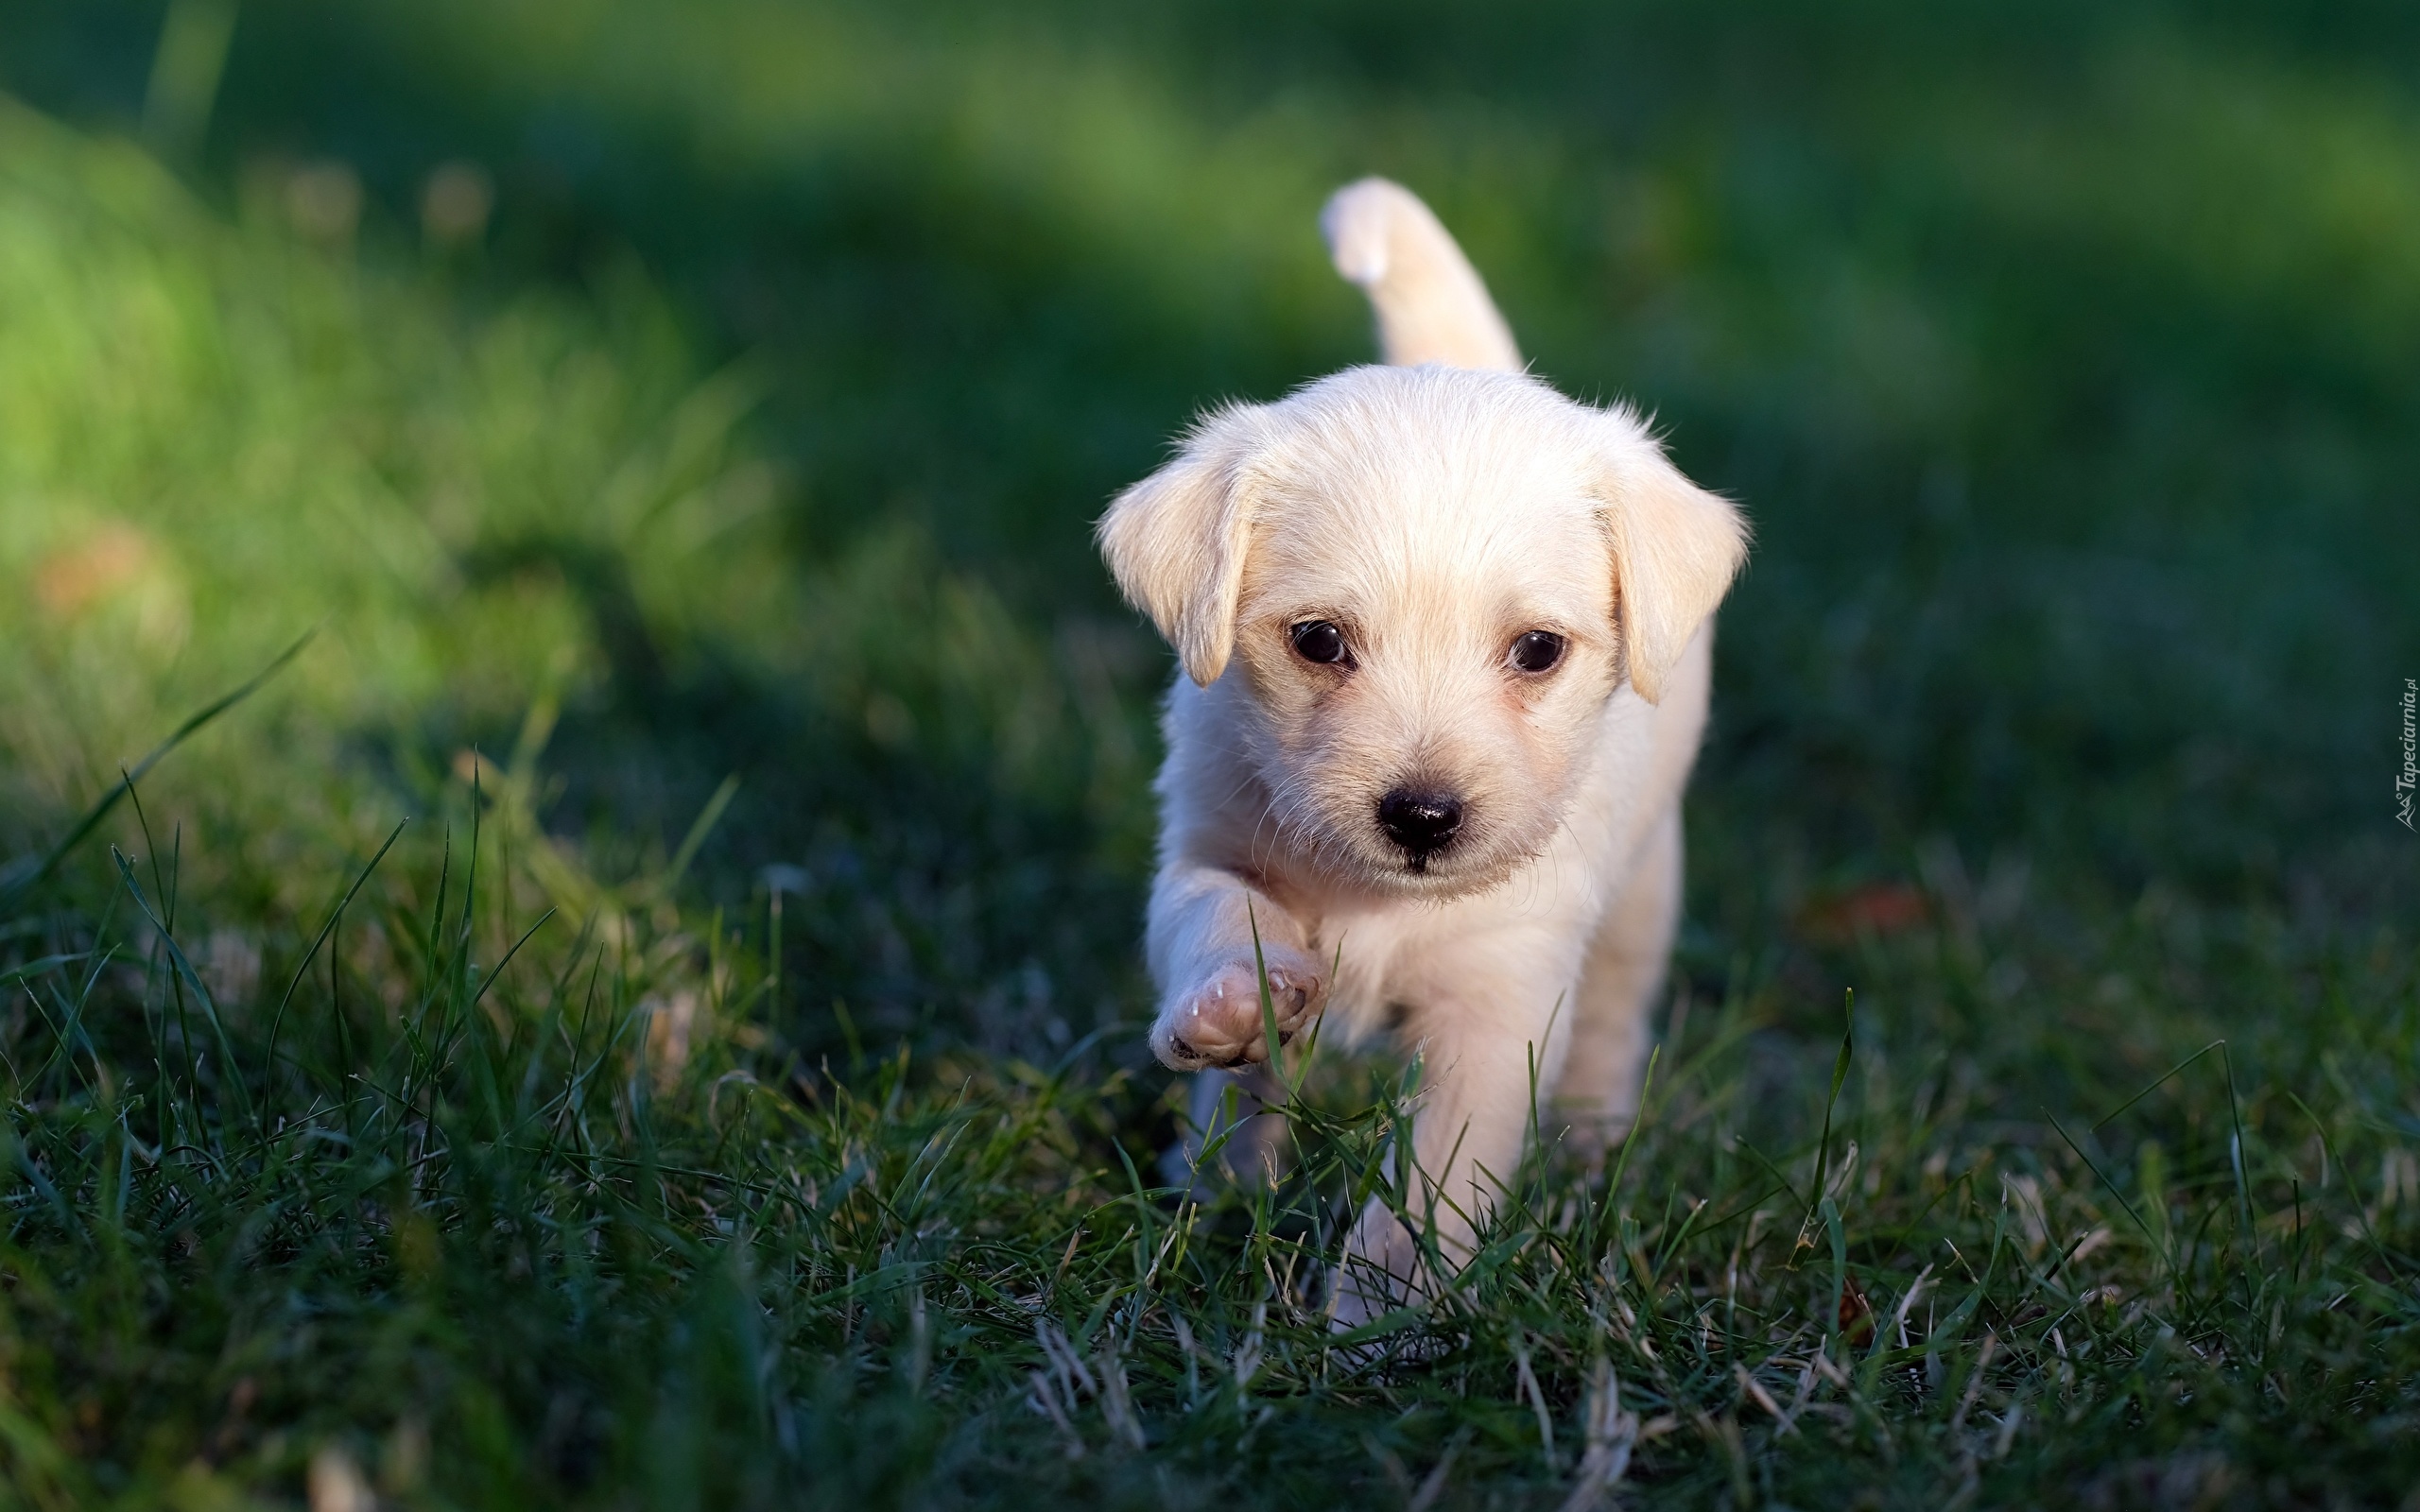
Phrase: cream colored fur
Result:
[1435,510]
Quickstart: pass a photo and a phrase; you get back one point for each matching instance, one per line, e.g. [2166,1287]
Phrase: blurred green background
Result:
[739,379]
[685,423]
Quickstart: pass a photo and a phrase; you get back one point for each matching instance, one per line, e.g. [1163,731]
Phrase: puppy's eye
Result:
[1318,641]
[1537,651]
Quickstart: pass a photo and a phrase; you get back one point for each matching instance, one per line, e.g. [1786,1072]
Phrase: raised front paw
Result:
[1219,1021]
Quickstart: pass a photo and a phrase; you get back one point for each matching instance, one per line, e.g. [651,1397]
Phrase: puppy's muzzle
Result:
[1421,823]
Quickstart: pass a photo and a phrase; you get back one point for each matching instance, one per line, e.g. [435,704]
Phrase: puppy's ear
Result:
[1176,540]
[1676,548]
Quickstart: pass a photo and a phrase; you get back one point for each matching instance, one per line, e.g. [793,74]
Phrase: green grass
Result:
[728,1087]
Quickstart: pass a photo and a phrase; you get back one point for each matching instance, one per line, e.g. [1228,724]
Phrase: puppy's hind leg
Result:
[1232,1104]
[1625,972]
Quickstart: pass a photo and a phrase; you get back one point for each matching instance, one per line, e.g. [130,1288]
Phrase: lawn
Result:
[621,987]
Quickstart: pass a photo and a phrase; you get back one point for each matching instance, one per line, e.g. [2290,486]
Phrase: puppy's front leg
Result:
[1483,1060]
[1231,1110]
[1203,921]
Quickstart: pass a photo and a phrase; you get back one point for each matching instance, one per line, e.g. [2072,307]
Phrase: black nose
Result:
[1421,823]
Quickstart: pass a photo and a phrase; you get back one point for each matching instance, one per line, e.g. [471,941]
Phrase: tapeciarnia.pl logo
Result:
[2407,779]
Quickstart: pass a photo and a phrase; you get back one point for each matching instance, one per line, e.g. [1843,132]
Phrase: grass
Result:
[725,1088]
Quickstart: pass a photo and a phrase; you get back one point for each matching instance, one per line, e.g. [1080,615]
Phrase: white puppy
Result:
[1445,637]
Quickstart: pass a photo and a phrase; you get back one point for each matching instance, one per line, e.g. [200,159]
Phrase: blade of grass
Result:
[2161,1081]
[32,873]
[233,1075]
[2103,1176]
[278,1018]
[699,829]
[1823,1144]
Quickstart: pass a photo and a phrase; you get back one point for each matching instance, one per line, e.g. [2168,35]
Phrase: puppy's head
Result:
[1416,589]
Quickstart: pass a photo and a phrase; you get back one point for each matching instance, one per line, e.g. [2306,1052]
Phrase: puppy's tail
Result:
[1431,303]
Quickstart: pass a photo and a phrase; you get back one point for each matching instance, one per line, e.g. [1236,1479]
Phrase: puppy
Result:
[1444,640]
